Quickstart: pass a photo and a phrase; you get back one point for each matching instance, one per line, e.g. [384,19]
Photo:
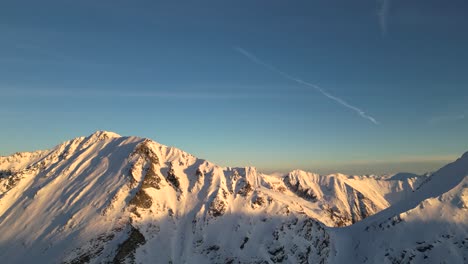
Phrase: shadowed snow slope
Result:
[111,199]
[429,226]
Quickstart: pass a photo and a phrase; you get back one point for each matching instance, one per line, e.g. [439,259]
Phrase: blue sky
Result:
[173,71]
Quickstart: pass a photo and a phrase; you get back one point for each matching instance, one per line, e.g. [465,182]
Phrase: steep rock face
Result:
[349,199]
[106,198]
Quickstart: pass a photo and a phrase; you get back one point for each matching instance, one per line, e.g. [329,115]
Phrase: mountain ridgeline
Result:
[112,199]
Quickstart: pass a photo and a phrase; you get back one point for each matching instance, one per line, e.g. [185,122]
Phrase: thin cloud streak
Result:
[18,92]
[382,13]
[340,101]
[51,56]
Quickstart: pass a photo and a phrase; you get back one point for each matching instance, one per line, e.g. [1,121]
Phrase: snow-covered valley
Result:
[112,199]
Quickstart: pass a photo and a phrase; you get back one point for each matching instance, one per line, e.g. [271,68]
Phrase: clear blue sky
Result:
[172,71]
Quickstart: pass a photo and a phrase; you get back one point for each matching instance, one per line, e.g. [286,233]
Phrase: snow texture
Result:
[112,199]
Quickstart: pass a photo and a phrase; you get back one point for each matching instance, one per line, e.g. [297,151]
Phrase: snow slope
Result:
[430,226]
[106,198]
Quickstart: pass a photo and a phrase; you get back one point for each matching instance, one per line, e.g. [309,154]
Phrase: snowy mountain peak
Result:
[102,134]
[106,198]
[465,156]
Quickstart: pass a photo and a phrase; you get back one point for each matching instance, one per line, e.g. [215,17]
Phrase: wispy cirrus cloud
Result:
[26,53]
[338,100]
[382,13]
[196,94]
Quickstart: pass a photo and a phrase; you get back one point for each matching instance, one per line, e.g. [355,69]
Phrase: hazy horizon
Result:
[417,165]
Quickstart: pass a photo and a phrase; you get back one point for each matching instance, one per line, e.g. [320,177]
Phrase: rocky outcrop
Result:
[126,250]
[112,199]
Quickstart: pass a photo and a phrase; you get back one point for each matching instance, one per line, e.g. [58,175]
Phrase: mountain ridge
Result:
[108,198]
[104,134]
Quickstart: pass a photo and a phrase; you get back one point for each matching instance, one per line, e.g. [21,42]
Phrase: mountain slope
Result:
[429,226]
[107,198]
[349,199]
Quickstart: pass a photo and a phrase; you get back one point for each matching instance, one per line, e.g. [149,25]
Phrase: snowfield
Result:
[112,199]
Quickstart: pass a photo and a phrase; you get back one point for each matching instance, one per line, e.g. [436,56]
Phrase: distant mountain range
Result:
[112,199]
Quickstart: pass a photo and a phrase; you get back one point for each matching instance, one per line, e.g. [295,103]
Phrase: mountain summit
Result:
[112,199]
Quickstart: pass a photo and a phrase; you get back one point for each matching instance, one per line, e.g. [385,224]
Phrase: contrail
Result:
[383,9]
[316,87]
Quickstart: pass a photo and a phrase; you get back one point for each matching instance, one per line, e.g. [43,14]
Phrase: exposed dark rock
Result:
[259,200]
[145,151]
[173,179]
[141,200]
[338,218]
[214,247]
[235,175]
[246,239]
[305,193]
[278,254]
[199,173]
[210,249]
[246,189]
[217,208]
[424,248]
[361,206]
[5,173]
[392,221]
[152,180]
[96,248]
[9,179]
[225,193]
[281,189]
[127,249]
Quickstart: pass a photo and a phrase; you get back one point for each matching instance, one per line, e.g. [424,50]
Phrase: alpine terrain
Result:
[106,198]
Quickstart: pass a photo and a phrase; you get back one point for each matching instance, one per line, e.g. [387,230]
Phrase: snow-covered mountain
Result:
[111,199]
